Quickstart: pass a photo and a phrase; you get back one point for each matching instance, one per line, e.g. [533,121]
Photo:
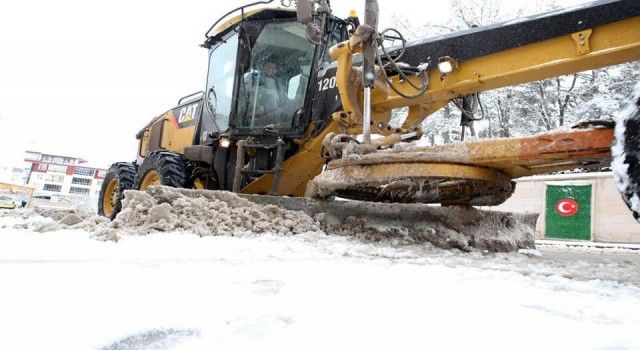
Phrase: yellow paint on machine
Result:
[164,134]
[174,138]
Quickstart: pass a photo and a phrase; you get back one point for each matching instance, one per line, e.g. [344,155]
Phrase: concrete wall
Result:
[611,220]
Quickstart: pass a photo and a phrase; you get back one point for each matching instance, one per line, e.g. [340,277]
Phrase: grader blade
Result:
[475,172]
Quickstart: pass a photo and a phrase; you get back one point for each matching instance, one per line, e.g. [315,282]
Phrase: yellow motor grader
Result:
[294,95]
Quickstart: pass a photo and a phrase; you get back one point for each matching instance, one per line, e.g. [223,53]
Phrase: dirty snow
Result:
[215,213]
[64,290]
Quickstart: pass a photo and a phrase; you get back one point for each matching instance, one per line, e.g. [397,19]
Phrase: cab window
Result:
[273,84]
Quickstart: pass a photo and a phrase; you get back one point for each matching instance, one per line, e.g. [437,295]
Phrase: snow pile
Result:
[16,213]
[461,228]
[69,218]
[219,213]
[216,213]
[205,213]
[164,209]
[48,219]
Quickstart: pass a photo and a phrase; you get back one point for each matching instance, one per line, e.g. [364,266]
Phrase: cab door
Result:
[218,96]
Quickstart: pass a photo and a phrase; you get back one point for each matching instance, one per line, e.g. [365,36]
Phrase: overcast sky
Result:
[80,78]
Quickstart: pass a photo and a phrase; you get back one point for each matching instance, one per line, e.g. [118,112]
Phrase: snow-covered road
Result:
[63,290]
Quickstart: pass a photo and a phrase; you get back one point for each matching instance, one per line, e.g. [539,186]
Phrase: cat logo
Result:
[186,116]
[187,113]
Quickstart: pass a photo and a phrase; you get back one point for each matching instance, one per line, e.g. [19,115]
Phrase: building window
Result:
[81,181]
[102,173]
[33,156]
[52,188]
[42,167]
[47,158]
[53,178]
[83,171]
[78,190]
[57,168]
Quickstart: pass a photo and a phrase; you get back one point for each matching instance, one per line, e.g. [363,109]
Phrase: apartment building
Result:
[56,175]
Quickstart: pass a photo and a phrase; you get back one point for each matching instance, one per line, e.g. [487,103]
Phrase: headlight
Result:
[446,64]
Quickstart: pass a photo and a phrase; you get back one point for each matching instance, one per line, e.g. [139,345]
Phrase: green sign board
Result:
[568,212]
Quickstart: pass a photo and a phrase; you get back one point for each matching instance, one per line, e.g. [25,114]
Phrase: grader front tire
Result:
[163,169]
[119,177]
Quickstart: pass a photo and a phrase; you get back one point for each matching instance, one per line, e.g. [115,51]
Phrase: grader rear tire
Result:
[625,154]
[163,169]
[119,178]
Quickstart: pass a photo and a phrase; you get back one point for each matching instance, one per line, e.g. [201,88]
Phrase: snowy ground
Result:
[63,290]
